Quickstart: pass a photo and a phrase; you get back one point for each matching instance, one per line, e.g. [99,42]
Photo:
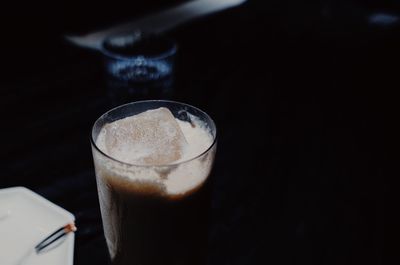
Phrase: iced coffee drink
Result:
[153,160]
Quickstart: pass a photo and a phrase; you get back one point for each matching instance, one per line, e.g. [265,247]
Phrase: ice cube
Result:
[152,137]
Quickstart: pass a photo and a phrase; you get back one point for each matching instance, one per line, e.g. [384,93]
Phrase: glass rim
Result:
[93,142]
[162,55]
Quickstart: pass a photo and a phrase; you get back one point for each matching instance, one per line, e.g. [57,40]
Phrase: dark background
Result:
[302,94]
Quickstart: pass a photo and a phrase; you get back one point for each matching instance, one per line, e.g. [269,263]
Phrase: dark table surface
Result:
[302,98]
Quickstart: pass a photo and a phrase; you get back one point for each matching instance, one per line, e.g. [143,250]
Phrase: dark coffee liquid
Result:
[145,226]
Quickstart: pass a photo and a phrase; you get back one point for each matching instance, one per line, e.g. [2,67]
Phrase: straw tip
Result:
[70,227]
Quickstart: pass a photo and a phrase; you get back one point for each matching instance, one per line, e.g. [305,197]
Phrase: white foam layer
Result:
[178,179]
[152,137]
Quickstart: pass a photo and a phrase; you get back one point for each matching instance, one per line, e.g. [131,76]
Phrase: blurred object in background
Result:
[138,66]
[366,13]
[139,62]
[157,23]
[343,18]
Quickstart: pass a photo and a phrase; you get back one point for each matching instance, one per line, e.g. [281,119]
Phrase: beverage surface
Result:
[156,138]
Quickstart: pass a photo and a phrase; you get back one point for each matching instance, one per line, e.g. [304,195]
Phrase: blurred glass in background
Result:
[138,66]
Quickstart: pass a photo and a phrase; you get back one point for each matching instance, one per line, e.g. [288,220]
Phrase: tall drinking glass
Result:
[162,221]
